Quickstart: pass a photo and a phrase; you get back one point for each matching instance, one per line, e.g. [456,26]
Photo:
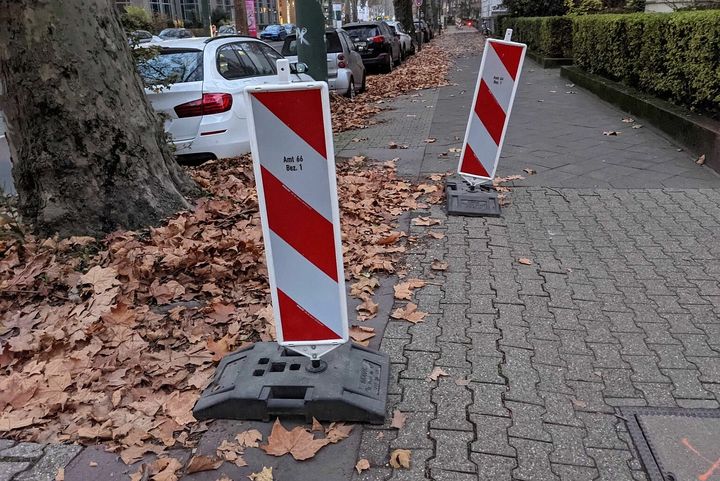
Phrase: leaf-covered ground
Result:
[114,340]
[428,68]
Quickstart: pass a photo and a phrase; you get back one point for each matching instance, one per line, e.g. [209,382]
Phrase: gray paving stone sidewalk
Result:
[619,307]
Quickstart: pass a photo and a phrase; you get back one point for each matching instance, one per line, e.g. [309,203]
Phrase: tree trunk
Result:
[354,5]
[241,21]
[404,15]
[346,14]
[90,155]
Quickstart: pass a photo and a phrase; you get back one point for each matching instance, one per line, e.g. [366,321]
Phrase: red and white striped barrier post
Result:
[494,95]
[294,163]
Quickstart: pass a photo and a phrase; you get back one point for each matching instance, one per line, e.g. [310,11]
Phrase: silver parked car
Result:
[407,43]
[346,71]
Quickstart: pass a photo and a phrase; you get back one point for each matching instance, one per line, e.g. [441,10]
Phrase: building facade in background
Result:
[189,12]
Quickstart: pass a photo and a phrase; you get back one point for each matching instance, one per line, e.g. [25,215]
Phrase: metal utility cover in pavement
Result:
[677,444]
[462,199]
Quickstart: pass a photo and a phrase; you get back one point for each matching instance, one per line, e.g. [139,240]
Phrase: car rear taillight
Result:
[207,105]
[341,61]
[378,39]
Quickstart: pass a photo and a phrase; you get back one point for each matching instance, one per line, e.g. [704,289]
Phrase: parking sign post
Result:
[294,163]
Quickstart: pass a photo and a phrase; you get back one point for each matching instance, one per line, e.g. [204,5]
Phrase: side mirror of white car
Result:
[299,67]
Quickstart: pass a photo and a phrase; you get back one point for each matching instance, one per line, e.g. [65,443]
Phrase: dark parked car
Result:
[273,32]
[377,44]
[139,37]
[175,33]
[421,26]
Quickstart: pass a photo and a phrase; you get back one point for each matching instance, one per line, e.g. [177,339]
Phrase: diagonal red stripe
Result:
[510,56]
[299,225]
[301,111]
[300,325]
[471,164]
[490,112]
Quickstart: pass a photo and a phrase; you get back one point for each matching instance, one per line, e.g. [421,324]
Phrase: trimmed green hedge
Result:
[549,36]
[674,56]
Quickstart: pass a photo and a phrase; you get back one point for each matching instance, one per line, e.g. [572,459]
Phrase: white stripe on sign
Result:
[498,79]
[306,284]
[483,145]
[276,140]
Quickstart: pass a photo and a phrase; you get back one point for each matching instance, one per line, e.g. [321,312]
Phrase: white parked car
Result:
[346,71]
[407,44]
[197,85]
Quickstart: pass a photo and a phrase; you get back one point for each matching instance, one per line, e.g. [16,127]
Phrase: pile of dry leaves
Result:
[114,340]
[426,69]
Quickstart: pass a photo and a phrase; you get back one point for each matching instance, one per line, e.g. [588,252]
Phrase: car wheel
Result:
[351,89]
[389,66]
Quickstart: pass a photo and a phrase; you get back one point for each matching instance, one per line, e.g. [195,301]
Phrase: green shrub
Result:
[135,18]
[674,56]
[549,36]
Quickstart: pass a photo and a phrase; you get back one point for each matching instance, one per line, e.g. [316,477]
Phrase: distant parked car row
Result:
[197,83]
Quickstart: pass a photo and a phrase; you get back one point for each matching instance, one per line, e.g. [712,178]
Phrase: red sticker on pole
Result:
[494,95]
[294,162]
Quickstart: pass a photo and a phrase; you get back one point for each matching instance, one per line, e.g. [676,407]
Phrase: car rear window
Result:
[362,32]
[172,66]
[332,43]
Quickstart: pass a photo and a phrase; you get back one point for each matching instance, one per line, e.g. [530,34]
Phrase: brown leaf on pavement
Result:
[611,133]
[436,373]
[404,290]
[436,235]
[265,475]
[438,265]
[60,475]
[203,463]
[529,171]
[525,261]
[360,334]
[165,469]
[367,309]
[398,419]
[390,239]
[425,221]
[409,313]
[462,381]
[700,160]
[249,438]
[430,141]
[317,427]
[336,432]
[400,458]
[299,442]
[362,465]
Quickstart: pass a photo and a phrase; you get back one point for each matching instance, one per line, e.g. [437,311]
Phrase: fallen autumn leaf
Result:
[400,458]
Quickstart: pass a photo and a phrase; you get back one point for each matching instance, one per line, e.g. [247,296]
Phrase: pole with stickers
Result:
[495,90]
[313,370]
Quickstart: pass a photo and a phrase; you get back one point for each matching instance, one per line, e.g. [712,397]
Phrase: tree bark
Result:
[241,21]
[90,155]
[404,15]
[354,5]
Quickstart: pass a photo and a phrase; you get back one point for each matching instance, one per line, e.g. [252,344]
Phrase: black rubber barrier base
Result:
[463,199]
[265,380]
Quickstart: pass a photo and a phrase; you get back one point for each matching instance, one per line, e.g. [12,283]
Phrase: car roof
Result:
[200,42]
[363,24]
